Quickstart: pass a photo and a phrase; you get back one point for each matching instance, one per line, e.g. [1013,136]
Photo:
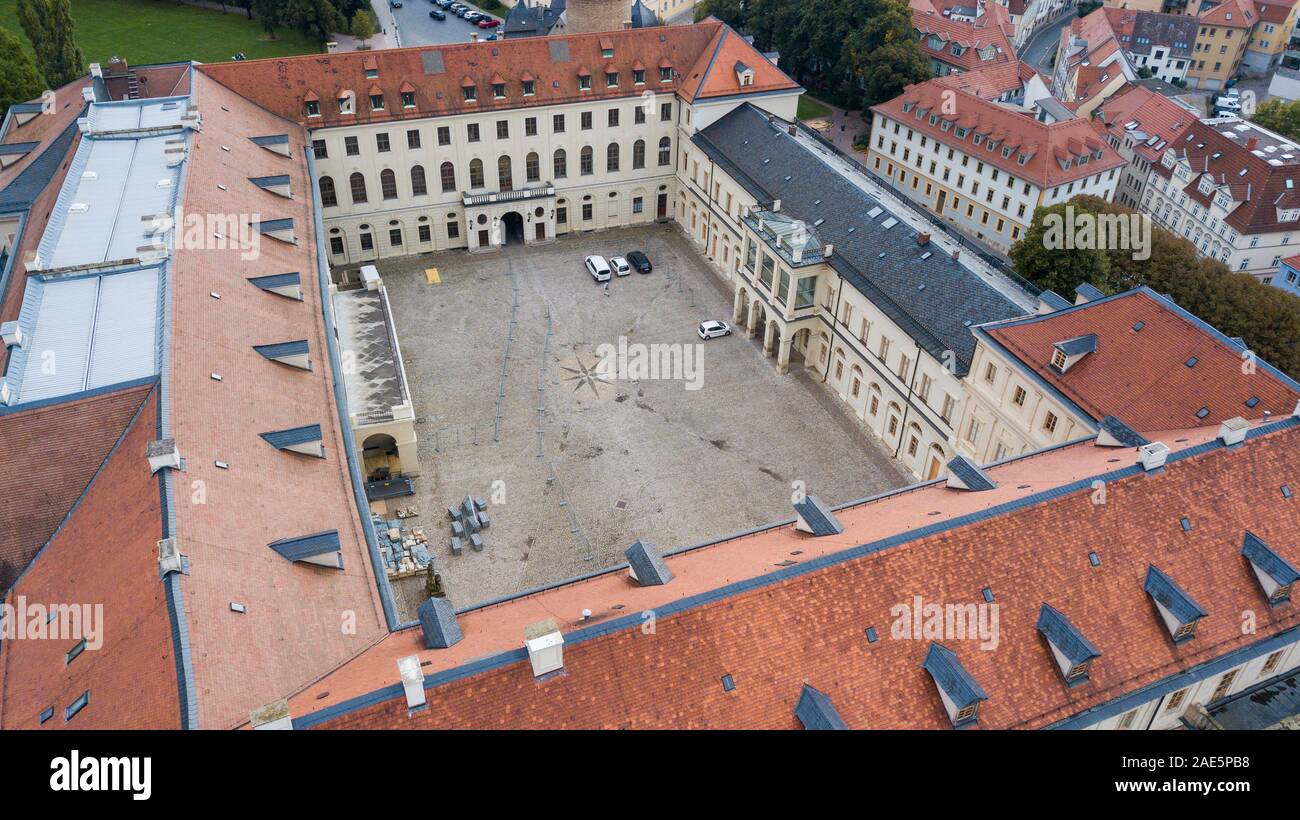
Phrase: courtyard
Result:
[576,462]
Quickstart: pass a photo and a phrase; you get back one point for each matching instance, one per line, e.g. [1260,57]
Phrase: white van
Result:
[598,268]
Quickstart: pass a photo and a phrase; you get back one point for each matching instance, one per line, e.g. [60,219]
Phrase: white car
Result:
[598,268]
[713,328]
[620,266]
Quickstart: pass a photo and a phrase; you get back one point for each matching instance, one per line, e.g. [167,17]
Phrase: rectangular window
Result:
[336,245]
[76,706]
[586,212]
[638,115]
[350,146]
[503,130]
[530,127]
[453,229]
[426,235]
[367,242]
[395,237]
[557,123]
[805,291]
[413,139]
[444,135]
[665,112]
[782,285]
[381,143]
[471,132]
[613,118]
[586,120]
[561,215]
[638,205]
[318,149]
[1049,422]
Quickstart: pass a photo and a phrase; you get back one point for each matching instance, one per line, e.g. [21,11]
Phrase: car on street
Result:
[490,22]
[394,4]
[598,268]
[713,328]
[640,261]
[438,14]
[620,266]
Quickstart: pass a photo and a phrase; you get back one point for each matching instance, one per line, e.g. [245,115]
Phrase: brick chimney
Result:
[923,239]
[1252,143]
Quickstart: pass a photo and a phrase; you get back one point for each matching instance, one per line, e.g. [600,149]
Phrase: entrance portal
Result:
[512,226]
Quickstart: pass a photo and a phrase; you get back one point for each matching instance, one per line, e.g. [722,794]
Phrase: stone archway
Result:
[512,228]
[757,318]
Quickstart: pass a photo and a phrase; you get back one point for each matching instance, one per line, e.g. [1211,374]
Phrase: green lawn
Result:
[810,109]
[161,31]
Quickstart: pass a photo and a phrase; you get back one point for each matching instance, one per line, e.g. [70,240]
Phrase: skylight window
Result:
[1191,362]
[1286,491]
[1094,559]
[872,637]
[889,223]
[727,683]
[1252,401]
[875,212]
[1137,328]
[1203,412]
[1185,523]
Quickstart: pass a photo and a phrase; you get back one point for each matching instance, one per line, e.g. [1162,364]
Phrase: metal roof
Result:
[127,116]
[950,676]
[647,564]
[438,622]
[1067,639]
[815,710]
[1268,561]
[377,383]
[970,475]
[85,333]
[818,516]
[1171,596]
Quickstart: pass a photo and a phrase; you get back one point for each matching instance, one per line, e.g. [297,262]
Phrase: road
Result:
[416,28]
[1040,48]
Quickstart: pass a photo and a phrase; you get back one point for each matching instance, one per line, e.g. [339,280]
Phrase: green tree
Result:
[269,12]
[48,24]
[1041,256]
[19,79]
[363,26]
[731,12]
[885,54]
[1276,114]
[316,19]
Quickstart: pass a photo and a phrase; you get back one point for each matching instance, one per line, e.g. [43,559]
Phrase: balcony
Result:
[533,192]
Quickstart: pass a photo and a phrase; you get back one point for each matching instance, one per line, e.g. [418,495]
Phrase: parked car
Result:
[394,4]
[490,22]
[640,261]
[444,3]
[598,268]
[620,266]
[438,14]
[713,328]
[490,37]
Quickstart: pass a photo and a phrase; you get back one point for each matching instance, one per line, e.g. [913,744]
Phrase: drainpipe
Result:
[907,405]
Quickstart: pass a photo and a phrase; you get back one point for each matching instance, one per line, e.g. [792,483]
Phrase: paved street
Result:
[1040,48]
[416,28]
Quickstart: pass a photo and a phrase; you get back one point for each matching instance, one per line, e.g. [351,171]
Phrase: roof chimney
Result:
[473,36]
[1152,456]
[923,239]
[1252,143]
[776,206]
[792,129]
[11,334]
[545,647]
[412,681]
[1233,431]
[163,454]
[956,255]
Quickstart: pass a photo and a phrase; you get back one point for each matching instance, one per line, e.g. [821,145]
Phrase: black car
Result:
[640,262]
[438,14]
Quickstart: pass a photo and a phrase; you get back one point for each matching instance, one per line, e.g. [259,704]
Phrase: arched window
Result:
[358,183]
[328,196]
[561,169]
[638,154]
[665,151]
[388,183]
[448,173]
[504,180]
[533,166]
[476,173]
[611,157]
[584,161]
[418,187]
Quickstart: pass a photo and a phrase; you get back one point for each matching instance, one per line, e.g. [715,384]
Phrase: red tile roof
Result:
[1224,149]
[43,128]
[50,455]
[701,56]
[1231,13]
[1142,377]
[1014,129]
[805,624]
[105,554]
[990,30]
[1152,115]
[992,81]
[1274,11]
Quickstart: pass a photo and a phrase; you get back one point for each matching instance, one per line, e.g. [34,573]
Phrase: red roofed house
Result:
[1092,62]
[1140,123]
[1135,356]
[584,127]
[1231,188]
[983,166]
[960,38]
[1222,35]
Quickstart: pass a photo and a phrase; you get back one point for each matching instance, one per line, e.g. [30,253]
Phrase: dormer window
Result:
[1275,574]
[1058,359]
[1022,158]
[638,76]
[961,133]
[665,74]
[528,87]
[471,94]
[376,102]
[1006,153]
[934,119]
[960,693]
[1064,162]
[584,82]
[345,104]
[1177,610]
[606,48]
[611,79]
[1070,351]
[1072,652]
[499,91]
[408,99]
[978,139]
[313,108]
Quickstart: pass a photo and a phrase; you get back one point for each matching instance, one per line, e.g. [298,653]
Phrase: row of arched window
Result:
[505,172]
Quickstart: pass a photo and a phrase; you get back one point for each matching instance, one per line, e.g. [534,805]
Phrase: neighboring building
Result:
[1014,82]
[481,144]
[960,38]
[1118,608]
[643,16]
[1140,123]
[1288,275]
[669,11]
[1137,5]
[1222,34]
[1028,17]
[843,279]
[535,20]
[1270,38]
[1135,356]
[1091,63]
[1232,189]
[1159,43]
[985,168]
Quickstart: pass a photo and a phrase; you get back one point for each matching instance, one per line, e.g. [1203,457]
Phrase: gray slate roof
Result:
[771,164]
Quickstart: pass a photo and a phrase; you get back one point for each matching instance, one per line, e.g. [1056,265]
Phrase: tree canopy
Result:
[48,24]
[19,79]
